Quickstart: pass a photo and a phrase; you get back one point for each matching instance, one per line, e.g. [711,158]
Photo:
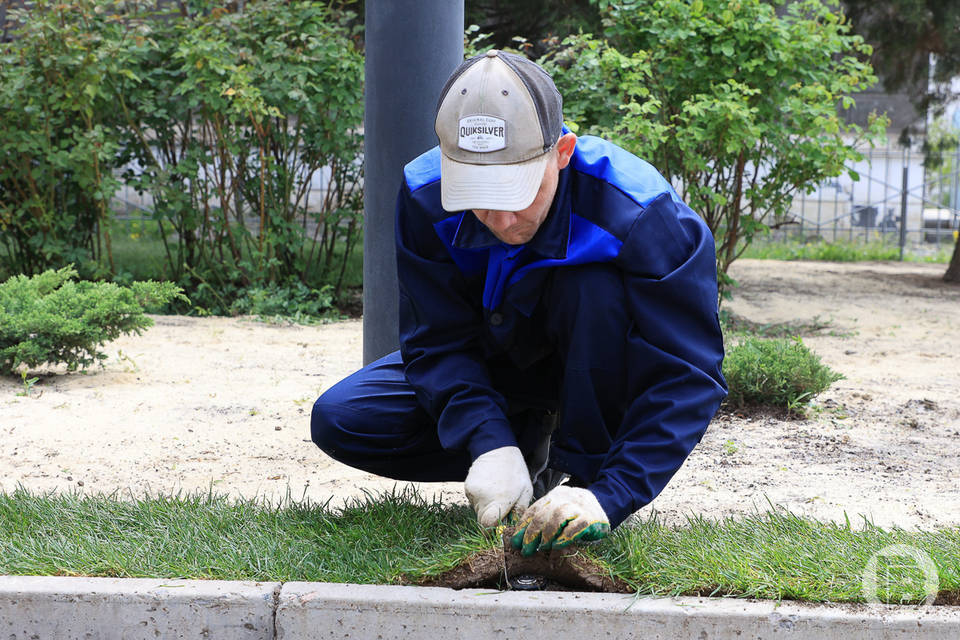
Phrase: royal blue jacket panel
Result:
[463,292]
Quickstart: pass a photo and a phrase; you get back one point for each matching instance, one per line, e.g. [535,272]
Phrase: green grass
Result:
[138,250]
[776,555]
[139,254]
[211,537]
[381,539]
[857,250]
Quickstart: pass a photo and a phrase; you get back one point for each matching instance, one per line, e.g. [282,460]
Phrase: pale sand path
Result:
[221,403]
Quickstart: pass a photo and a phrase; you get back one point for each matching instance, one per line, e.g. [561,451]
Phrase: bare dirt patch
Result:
[556,570]
[881,444]
[224,403]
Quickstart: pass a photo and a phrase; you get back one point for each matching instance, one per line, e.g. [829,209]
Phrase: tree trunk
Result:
[953,271]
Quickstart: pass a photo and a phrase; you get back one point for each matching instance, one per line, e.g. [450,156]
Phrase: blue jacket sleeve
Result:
[675,352]
[440,338]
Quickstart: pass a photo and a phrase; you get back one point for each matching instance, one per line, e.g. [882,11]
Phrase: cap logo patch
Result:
[481,134]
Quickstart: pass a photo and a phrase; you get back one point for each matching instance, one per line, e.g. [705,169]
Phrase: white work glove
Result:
[562,517]
[497,482]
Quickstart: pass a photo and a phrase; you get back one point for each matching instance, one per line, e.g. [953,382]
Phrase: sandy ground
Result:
[195,404]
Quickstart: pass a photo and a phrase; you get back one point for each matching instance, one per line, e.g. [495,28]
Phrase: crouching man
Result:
[559,341]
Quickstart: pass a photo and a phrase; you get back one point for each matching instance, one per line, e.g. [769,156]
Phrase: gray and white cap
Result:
[498,117]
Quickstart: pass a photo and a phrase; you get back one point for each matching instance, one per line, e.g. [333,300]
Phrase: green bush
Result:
[779,373]
[231,115]
[49,318]
[737,103]
[58,145]
[589,74]
[225,117]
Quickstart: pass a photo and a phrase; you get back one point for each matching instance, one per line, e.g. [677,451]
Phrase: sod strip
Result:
[401,537]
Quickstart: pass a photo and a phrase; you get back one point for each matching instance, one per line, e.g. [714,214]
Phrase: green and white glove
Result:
[566,515]
[497,483]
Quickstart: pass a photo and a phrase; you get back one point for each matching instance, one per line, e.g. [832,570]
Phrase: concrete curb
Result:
[128,609]
[315,610]
[52,608]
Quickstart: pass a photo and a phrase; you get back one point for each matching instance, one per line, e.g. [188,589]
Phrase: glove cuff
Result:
[491,435]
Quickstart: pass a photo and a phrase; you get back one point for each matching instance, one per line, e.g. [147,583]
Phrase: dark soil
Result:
[732,322]
[564,570]
[558,570]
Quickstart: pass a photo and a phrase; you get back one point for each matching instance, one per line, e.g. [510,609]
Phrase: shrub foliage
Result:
[737,104]
[229,117]
[57,146]
[50,318]
[242,126]
[779,373]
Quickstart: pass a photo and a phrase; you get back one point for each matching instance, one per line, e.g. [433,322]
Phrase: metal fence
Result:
[903,196]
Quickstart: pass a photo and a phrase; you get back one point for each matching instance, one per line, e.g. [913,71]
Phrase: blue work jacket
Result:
[460,288]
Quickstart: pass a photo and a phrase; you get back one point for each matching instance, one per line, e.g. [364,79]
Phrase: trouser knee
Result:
[324,428]
[372,421]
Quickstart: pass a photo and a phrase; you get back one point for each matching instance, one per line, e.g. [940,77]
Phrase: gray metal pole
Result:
[955,192]
[903,213]
[412,46]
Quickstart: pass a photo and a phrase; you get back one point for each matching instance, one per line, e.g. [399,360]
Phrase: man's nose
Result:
[500,220]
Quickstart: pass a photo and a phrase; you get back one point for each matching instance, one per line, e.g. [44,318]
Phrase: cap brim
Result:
[496,187]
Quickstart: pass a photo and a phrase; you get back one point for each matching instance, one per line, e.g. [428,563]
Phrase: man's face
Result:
[519,227]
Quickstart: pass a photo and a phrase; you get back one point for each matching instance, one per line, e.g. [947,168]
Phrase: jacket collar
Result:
[551,239]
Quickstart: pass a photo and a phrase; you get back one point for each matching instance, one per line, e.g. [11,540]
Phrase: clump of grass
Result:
[835,251]
[778,373]
[875,248]
[294,302]
[399,535]
[940,254]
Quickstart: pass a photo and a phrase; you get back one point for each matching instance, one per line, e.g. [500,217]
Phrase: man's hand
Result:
[562,517]
[498,482]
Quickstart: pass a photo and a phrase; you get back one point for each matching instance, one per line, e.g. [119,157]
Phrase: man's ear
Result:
[565,146]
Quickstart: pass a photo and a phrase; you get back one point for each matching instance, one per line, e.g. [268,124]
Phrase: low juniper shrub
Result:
[50,318]
[780,374]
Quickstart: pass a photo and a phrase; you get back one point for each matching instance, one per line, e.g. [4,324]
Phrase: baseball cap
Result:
[498,117]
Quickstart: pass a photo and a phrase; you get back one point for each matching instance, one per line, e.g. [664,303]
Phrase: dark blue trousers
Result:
[372,420]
